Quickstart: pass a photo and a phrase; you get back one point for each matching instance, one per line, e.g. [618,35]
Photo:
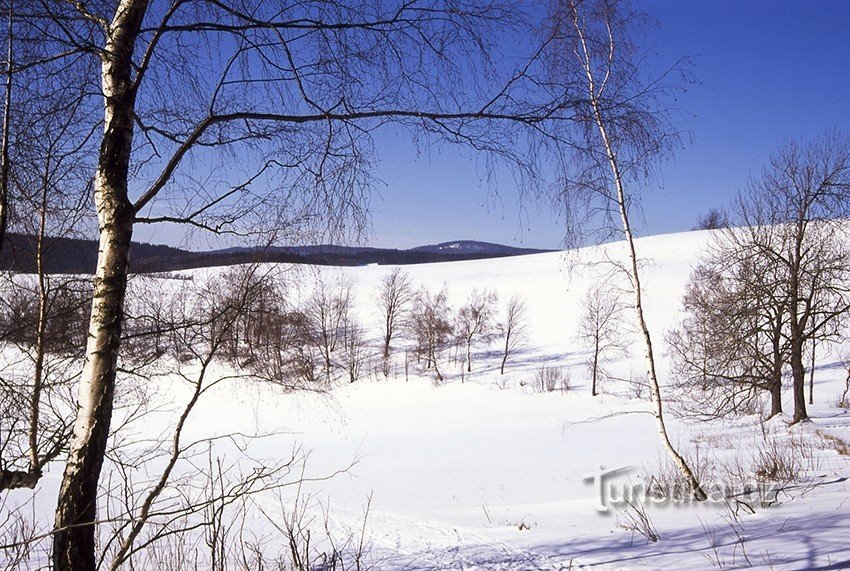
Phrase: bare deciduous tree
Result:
[5,167]
[203,319]
[514,329]
[353,349]
[327,311]
[730,347]
[714,219]
[244,117]
[431,327]
[394,296]
[601,328]
[45,314]
[475,320]
[792,222]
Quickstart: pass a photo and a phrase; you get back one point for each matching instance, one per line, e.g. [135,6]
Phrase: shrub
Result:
[547,379]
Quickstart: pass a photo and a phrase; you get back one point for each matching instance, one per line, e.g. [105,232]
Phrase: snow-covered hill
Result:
[482,472]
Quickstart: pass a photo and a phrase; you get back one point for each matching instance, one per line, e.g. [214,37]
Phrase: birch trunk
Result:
[632,271]
[595,365]
[4,146]
[74,537]
[38,372]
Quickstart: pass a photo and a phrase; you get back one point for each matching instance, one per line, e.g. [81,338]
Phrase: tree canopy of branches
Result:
[394,296]
[714,219]
[794,227]
[431,326]
[730,348]
[772,286]
[249,118]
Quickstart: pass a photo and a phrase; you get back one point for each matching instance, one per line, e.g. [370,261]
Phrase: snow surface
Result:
[486,473]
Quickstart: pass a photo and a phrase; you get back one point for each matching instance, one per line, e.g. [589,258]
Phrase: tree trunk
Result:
[775,398]
[76,511]
[469,355]
[595,368]
[4,146]
[633,273]
[797,324]
[388,332]
[798,373]
[776,372]
[507,350]
[41,328]
[812,376]
[74,542]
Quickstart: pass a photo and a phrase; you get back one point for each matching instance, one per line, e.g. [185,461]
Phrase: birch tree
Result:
[430,325]
[7,118]
[44,312]
[475,320]
[624,128]
[601,329]
[394,296]
[515,329]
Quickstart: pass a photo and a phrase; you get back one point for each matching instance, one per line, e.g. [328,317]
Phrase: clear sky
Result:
[766,70]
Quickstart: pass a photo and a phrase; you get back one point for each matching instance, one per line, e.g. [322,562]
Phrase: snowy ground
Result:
[489,474]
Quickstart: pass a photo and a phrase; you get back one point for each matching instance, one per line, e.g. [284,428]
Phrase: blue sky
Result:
[766,71]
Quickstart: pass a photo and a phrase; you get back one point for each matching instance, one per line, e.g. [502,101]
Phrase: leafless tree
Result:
[730,348]
[714,219]
[44,314]
[514,329]
[476,320]
[843,399]
[793,221]
[327,311]
[602,329]
[394,296]
[353,349]
[204,317]
[624,128]
[430,325]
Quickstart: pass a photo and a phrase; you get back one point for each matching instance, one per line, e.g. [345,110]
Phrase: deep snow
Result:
[488,474]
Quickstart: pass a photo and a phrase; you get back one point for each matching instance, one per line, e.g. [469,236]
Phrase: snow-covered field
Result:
[486,473]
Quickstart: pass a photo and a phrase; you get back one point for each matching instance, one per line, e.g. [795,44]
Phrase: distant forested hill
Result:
[76,256]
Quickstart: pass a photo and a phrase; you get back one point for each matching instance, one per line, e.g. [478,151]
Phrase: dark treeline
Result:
[79,256]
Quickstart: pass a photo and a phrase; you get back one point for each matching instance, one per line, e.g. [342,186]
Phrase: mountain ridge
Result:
[79,256]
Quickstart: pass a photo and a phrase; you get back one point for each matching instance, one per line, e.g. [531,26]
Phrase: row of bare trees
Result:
[426,318]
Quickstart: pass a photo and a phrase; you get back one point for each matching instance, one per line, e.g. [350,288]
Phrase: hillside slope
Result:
[483,472]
